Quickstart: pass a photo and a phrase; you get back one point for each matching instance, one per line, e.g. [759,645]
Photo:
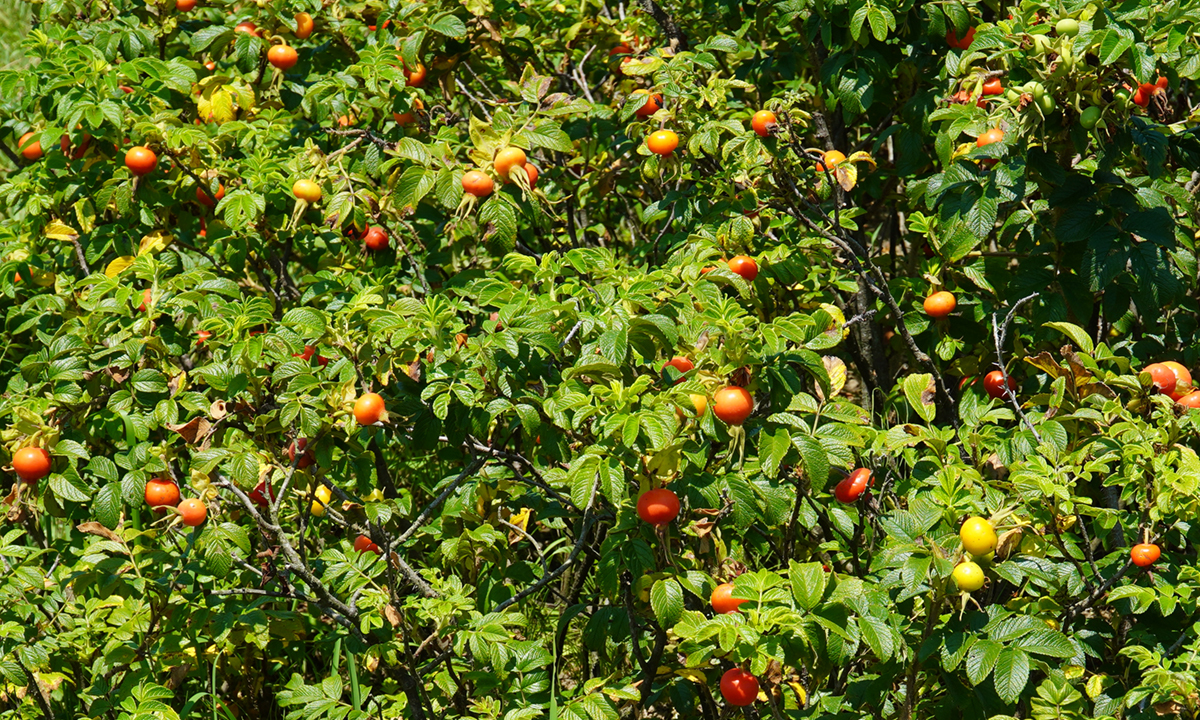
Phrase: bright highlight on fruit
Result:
[968,576]
[978,536]
[852,487]
[658,507]
[940,304]
[1144,554]
[733,404]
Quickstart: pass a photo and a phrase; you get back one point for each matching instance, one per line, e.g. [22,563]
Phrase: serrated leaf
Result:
[666,599]
[808,583]
[1011,674]
[106,506]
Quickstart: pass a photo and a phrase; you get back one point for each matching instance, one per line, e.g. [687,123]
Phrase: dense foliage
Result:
[349,337]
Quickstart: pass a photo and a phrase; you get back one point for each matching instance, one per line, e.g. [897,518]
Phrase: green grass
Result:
[14,23]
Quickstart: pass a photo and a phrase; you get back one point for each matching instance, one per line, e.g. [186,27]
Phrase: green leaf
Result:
[1046,641]
[878,636]
[814,458]
[499,223]
[1077,335]
[981,659]
[666,599]
[808,583]
[919,391]
[69,486]
[772,448]
[448,25]
[1012,674]
[308,322]
[106,507]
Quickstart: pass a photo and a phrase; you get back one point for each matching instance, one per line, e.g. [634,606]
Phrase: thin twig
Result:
[441,498]
[999,334]
[589,519]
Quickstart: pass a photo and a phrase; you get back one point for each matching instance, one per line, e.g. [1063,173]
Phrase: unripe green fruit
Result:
[1047,104]
[1089,117]
[1068,27]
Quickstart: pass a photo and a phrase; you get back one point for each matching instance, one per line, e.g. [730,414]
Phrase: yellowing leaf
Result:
[57,230]
[691,674]
[520,519]
[118,266]
[154,242]
[837,372]
[861,156]
[801,696]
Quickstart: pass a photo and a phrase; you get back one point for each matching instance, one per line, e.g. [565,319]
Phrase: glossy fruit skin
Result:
[1090,117]
[1164,377]
[978,536]
[416,78]
[968,576]
[306,455]
[283,57]
[1191,400]
[308,353]
[261,494]
[940,304]
[184,5]
[622,49]
[205,199]
[733,404]
[368,409]
[744,266]
[162,493]
[739,688]
[993,87]
[147,296]
[1141,97]
[658,507]
[31,463]
[993,383]
[722,599]
[662,142]
[306,190]
[762,122]
[652,104]
[680,363]
[1068,27]
[193,512]
[1144,554]
[477,183]
[852,487]
[376,238]
[322,497]
[507,159]
[141,160]
[246,27]
[202,335]
[1183,378]
[34,150]
[994,135]
[833,158]
[304,25]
